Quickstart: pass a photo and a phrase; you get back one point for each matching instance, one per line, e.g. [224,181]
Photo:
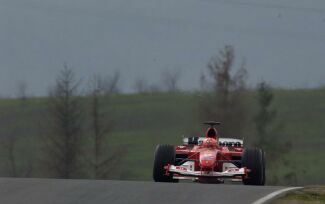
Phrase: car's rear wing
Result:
[229,142]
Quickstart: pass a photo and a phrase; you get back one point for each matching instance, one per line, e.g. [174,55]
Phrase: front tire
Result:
[253,159]
[164,154]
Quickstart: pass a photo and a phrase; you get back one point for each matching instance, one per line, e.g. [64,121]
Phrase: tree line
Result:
[72,114]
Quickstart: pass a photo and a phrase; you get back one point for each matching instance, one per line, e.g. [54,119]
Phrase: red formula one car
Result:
[209,159]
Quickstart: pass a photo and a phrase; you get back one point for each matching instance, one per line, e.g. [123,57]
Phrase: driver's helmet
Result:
[209,143]
[212,133]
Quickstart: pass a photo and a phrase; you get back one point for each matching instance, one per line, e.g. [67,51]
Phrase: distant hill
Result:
[141,121]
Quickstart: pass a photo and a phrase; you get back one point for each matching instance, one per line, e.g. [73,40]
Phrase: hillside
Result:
[141,121]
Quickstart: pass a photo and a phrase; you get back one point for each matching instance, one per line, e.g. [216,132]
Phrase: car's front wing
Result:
[187,170]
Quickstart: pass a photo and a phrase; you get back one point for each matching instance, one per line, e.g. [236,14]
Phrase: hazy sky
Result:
[283,42]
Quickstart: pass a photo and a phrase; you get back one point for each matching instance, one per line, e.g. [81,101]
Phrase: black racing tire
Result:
[164,154]
[253,159]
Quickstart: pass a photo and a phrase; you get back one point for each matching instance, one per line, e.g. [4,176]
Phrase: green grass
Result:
[310,195]
[141,121]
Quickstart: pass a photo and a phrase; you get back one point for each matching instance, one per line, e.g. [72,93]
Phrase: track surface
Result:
[43,191]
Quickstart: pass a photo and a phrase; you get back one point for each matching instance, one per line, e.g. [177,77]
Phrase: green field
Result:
[141,121]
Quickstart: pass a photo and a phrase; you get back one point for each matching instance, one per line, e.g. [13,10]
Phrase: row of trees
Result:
[73,125]
[226,101]
[79,126]
[74,128]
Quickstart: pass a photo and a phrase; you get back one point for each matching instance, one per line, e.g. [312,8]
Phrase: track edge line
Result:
[275,194]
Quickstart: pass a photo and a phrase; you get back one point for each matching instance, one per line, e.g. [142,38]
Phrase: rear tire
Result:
[164,154]
[253,159]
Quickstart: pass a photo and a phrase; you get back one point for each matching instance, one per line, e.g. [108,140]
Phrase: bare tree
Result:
[270,135]
[110,84]
[102,162]
[203,84]
[97,127]
[11,134]
[63,144]
[227,101]
[141,85]
[10,143]
[170,80]
[265,115]
[22,91]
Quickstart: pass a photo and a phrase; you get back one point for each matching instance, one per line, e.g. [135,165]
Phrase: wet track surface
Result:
[43,191]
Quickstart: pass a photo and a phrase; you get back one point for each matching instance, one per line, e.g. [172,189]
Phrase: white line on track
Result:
[274,195]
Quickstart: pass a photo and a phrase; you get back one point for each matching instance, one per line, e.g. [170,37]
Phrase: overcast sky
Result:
[283,42]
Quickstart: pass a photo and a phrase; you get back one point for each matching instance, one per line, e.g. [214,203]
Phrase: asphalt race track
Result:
[56,191]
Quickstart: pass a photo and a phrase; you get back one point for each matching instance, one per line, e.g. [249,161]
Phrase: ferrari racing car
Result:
[209,159]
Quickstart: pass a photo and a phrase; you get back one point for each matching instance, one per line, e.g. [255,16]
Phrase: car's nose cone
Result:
[207,160]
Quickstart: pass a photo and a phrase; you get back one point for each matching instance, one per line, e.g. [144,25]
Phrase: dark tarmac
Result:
[57,191]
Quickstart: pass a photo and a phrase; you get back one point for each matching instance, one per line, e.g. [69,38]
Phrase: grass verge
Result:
[308,195]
